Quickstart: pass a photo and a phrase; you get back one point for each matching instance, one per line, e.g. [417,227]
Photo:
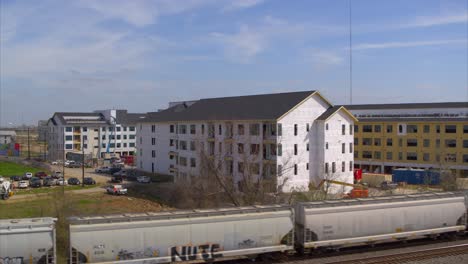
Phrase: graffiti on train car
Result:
[11,260]
[147,253]
[205,252]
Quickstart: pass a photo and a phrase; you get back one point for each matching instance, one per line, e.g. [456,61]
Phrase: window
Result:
[437,129]
[220,147]
[153,128]
[426,143]
[182,129]
[68,146]
[132,145]
[465,158]
[153,153]
[400,142]
[307,127]
[465,129]
[333,167]
[326,145]
[118,137]
[254,149]
[193,162]
[450,143]
[367,155]
[254,168]
[412,128]
[377,128]
[367,141]
[280,130]
[427,129]
[85,129]
[280,149]
[389,142]
[343,129]
[254,129]
[326,167]
[240,129]
[451,157]
[295,169]
[343,148]
[350,129]
[68,138]
[437,143]
[103,129]
[350,147]
[377,155]
[124,145]
[307,147]
[183,144]
[132,128]
[343,166]
[389,128]
[153,141]
[240,148]
[356,141]
[193,129]
[125,129]
[356,129]
[426,157]
[400,129]
[367,128]
[450,129]
[356,154]
[326,126]
[389,155]
[68,129]
[220,130]
[350,166]
[203,129]
[295,129]
[377,142]
[295,149]
[411,156]
[400,155]
[411,142]
[124,137]
[103,145]
[141,140]
[131,136]
[240,167]
[182,161]
[192,145]
[465,143]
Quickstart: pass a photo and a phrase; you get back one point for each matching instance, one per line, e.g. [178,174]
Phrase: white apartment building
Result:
[7,136]
[96,133]
[296,139]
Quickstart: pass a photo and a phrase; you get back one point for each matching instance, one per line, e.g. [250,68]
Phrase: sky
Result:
[85,55]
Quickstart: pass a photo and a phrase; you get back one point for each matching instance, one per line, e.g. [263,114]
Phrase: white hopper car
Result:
[182,235]
[341,223]
[30,240]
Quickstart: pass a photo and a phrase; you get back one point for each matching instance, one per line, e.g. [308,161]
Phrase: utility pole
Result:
[29,150]
[82,160]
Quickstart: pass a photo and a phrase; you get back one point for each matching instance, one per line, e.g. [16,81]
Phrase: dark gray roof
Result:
[251,107]
[78,120]
[408,106]
[330,111]
[414,119]
[125,118]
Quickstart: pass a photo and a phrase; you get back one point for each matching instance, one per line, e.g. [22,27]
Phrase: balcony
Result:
[173,169]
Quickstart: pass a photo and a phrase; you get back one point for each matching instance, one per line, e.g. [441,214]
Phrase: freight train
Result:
[217,234]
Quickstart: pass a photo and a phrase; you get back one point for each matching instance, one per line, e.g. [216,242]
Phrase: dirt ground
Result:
[77,173]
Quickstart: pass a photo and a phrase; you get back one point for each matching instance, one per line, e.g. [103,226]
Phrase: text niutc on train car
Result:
[206,252]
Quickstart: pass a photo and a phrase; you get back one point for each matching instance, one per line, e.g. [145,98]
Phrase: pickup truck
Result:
[116,190]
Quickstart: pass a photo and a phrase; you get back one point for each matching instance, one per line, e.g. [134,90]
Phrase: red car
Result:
[40,174]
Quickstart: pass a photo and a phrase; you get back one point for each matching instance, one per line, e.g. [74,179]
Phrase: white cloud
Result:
[388,45]
[322,59]
[241,4]
[428,21]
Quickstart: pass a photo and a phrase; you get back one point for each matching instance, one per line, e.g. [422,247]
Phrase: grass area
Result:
[11,169]
[52,189]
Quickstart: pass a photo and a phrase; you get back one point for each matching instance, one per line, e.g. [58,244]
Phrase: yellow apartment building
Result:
[419,135]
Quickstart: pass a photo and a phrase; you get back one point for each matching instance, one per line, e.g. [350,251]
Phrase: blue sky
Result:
[139,55]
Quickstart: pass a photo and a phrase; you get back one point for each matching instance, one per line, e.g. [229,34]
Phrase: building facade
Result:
[7,137]
[424,135]
[94,134]
[295,139]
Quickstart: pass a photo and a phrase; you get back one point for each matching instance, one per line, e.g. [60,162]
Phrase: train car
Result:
[29,240]
[343,223]
[163,237]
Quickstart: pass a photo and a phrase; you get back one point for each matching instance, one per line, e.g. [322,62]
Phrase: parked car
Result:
[388,185]
[15,178]
[55,162]
[73,165]
[116,190]
[23,184]
[35,182]
[117,179]
[143,179]
[40,174]
[114,170]
[62,181]
[89,181]
[73,181]
[132,177]
[49,181]
[28,175]
[104,169]
[57,174]
[122,173]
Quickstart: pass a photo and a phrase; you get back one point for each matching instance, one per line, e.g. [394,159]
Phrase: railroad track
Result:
[411,256]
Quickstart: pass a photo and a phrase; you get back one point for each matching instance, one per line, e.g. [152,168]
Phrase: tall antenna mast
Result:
[350,53]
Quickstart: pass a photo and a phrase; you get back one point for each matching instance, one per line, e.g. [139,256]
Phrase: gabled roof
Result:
[125,118]
[250,107]
[333,110]
[70,118]
[408,106]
